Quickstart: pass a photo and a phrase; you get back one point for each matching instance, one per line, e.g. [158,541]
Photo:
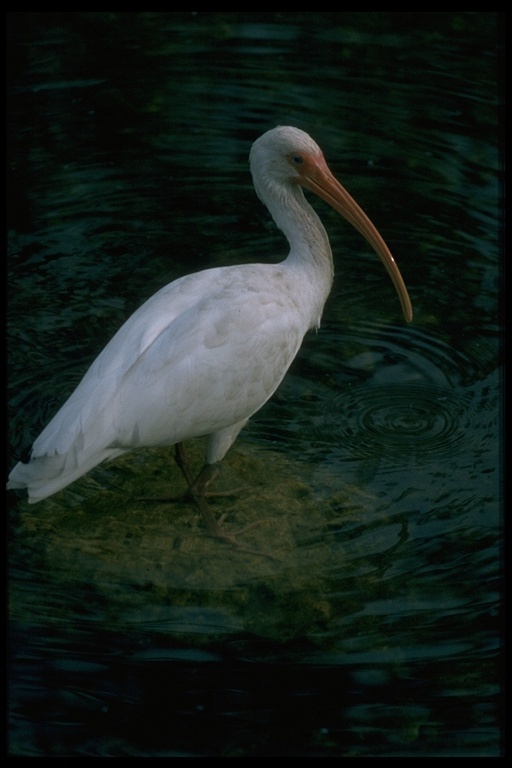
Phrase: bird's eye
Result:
[297,159]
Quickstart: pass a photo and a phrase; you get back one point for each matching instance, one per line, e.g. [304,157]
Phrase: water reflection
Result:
[374,469]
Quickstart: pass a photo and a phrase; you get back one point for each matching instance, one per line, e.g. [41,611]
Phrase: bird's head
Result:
[286,156]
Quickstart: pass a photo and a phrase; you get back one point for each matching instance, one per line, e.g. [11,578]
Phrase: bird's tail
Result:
[43,476]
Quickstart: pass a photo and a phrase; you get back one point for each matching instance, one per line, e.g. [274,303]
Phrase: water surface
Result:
[375,469]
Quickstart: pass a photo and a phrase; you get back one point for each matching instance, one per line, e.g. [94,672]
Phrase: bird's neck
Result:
[309,244]
[310,256]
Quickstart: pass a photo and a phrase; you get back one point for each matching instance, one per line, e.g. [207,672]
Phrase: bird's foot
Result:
[214,528]
[198,492]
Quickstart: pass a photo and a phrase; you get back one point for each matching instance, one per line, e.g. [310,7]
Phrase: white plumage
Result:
[203,354]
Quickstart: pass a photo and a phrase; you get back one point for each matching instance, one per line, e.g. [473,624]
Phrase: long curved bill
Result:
[316,176]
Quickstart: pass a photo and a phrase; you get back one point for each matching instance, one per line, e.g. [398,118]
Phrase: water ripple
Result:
[409,393]
[413,417]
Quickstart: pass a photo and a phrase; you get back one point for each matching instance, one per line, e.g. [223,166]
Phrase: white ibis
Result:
[203,354]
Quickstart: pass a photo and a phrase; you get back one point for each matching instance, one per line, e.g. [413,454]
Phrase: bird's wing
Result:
[204,352]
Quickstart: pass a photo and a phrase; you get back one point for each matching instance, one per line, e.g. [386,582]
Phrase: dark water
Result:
[375,470]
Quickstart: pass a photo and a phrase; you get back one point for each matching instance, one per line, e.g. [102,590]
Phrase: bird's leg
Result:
[197,491]
[183,463]
[181,459]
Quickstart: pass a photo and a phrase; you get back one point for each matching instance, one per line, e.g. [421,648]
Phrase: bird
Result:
[207,351]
